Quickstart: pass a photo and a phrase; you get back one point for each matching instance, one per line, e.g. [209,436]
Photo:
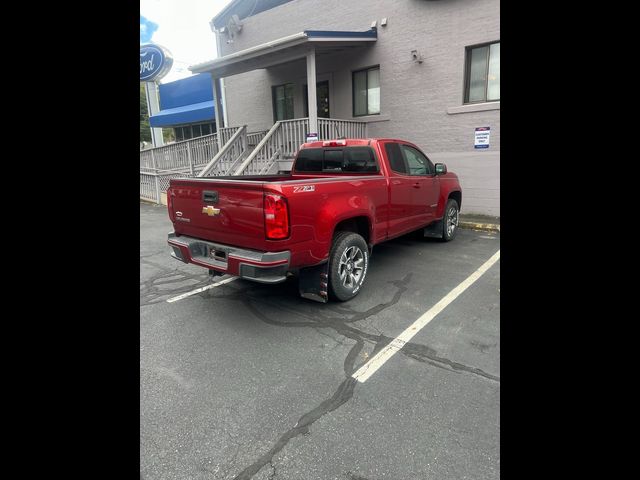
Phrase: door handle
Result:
[416,185]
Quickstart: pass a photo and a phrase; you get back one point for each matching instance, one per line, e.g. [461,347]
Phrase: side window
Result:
[395,157]
[417,162]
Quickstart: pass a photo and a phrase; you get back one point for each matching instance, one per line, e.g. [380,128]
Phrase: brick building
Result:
[425,71]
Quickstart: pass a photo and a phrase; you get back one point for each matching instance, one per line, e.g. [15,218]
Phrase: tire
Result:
[348,263]
[450,220]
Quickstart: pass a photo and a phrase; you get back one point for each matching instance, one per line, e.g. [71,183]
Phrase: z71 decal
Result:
[304,188]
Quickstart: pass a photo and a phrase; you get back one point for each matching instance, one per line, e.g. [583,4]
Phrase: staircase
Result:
[276,151]
[242,153]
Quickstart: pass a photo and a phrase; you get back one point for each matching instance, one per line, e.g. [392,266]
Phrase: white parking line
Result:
[369,368]
[202,289]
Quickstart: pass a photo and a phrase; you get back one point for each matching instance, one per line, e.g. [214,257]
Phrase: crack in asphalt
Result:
[318,321]
[273,474]
[345,391]
[151,291]
[341,326]
[342,395]
[355,476]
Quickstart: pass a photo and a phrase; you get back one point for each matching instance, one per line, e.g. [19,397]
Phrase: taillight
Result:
[276,216]
[170,205]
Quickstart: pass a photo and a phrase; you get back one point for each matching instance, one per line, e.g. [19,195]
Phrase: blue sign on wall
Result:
[155,62]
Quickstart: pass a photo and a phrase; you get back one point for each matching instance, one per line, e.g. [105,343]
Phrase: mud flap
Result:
[313,282]
[434,230]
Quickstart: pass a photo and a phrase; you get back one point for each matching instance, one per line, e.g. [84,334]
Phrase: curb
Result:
[486,227]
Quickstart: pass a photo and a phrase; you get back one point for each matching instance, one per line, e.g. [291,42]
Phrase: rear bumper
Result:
[263,267]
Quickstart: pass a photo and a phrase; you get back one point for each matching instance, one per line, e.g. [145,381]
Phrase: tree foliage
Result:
[145,132]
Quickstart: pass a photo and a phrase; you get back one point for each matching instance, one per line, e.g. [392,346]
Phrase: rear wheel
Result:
[348,264]
[450,220]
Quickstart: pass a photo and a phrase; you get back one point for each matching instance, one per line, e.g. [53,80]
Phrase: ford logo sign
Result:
[155,62]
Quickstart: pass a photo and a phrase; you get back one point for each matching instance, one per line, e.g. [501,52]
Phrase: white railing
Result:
[254,138]
[202,157]
[229,156]
[265,154]
[226,133]
[285,137]
[329,128]
[187,159]
[189,155]
[149,187]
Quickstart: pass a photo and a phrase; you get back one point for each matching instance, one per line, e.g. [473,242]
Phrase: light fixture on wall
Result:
[233,27]
[416,57]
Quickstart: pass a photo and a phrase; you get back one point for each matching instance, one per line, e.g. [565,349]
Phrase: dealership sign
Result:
[155,62]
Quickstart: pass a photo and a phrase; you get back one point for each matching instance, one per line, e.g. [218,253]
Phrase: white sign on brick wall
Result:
[482,137]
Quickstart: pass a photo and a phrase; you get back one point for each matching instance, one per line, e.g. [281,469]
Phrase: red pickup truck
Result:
[319,222]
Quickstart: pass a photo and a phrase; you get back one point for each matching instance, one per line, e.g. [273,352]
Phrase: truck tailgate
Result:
[224,211]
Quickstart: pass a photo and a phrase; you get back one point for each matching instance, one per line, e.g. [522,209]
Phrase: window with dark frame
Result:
[482,73]
[187,132]
[366,92]
[282,101]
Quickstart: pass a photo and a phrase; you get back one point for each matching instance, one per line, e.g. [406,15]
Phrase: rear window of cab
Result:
[337,160]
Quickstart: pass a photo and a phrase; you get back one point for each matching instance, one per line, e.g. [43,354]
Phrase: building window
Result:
[482,79]
[178,132]
[282,102]
[366,92]
[186,133]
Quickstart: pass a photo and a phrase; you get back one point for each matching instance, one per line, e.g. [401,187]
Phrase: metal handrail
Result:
[178,142]
[223,151]
[256,150]
[285,137]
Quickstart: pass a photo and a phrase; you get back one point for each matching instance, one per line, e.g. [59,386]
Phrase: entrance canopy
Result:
[194,113]
[189,100]
[284,50]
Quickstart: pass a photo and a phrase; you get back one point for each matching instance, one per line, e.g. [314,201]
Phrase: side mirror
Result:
[441,169]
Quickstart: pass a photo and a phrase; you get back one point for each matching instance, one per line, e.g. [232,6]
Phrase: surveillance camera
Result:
[414,54]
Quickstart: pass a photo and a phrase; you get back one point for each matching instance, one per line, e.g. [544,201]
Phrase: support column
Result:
[215,86]
[223,88]
[311,91]
[151,90]
[223,98]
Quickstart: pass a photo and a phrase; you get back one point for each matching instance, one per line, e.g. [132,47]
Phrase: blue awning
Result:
[194,113]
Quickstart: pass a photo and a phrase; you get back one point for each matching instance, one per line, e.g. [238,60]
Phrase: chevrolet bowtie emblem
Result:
[211,211]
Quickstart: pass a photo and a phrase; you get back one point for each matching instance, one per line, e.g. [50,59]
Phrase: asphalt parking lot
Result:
[251,381]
